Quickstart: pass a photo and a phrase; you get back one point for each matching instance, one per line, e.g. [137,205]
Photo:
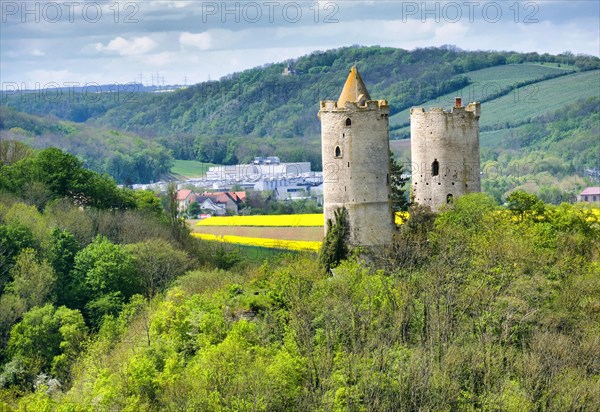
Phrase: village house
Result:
[230,201]
[207,205]
[184,199]
[590,195]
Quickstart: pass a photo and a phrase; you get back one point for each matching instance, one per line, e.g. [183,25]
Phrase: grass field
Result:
[486,82]
[540,98]
[189,168]
[495,138]
[535,99]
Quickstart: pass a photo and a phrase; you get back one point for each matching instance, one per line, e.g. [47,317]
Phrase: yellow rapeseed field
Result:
[301,245]
[305,220]
[265,220]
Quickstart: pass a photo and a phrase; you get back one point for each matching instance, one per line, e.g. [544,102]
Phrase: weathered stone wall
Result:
[356,168]
[452,140]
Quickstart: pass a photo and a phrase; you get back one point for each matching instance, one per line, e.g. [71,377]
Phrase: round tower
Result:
[356,163]
[445,153]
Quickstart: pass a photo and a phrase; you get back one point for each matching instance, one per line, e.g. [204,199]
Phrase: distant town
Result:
[223,188]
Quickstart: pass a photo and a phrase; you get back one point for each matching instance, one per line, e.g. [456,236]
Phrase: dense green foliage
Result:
[51,174]
[70,237]
[120,309]
[499,312]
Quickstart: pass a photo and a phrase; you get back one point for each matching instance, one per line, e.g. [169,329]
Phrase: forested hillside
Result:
[125,156]
[547,155]
[106,303]
[263,112]
[262,102]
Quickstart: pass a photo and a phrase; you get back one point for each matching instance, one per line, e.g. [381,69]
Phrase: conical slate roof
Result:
[354,89]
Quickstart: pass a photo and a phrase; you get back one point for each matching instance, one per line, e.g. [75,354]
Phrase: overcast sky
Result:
[115,41]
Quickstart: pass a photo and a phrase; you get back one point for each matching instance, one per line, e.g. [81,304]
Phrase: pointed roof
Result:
[354,89]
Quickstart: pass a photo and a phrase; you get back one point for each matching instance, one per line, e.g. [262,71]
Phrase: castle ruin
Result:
[445,153]
[356,162]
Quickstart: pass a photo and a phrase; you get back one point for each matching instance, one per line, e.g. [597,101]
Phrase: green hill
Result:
[539,99]
[127,157]
[547,154]
[262,102]
[479,307]
[487,83]
[189,168]
[261,111]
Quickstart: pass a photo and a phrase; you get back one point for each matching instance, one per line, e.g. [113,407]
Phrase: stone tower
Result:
[445,153]
[356,163]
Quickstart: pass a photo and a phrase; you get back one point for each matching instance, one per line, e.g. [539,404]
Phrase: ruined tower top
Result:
[354,90]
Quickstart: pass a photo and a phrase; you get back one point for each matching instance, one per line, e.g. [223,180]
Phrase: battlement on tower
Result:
[472,109]
[332,105]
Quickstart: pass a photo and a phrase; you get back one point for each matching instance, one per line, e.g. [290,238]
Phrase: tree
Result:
[11,151]
[194,210]
[335,248]
[33,281]
[13,237]
[60,172]
[146,201]
[103,269]
[63,249]
[47,340]
[179,228]
[522,204]
[157,263]
[397,183]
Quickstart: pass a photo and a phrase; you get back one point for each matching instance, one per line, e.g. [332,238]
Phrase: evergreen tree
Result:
[397,183]
[335,248]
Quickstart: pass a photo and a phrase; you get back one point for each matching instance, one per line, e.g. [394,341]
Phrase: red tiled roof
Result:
[183,194]
[225,197]
[595,190]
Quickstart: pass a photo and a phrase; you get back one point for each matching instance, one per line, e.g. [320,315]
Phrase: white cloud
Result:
[173,37]
[50,78]
[160,59]
[178,4]
[124,47]
[202,41]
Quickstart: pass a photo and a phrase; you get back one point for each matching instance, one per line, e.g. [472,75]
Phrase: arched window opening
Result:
[435,168]
[449,198]
[338,151]
[348,122]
